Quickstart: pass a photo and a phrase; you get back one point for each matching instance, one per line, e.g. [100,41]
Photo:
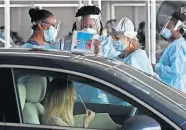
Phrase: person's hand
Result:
[153,66]
[88,117]
[97,44]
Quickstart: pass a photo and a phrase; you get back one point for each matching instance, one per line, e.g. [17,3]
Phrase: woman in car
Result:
[59,104]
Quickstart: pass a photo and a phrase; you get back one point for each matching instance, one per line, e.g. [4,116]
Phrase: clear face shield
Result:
[50,35]
[170,27]
[57,25]
[90,23]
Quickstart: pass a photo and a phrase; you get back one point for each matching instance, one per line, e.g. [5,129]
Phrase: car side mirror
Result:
[141,122]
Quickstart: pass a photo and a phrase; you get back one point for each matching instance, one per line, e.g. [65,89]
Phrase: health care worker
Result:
[171,67]
[126,43]
[88,19]
[45,29]
[124,46]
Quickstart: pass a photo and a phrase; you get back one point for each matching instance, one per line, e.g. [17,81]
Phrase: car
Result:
[26,73]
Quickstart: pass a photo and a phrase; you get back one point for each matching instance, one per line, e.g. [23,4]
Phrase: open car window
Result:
[44,100]
[90,94]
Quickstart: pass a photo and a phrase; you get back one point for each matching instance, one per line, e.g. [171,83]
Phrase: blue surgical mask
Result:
[119,45]
[50,35]
[166,33]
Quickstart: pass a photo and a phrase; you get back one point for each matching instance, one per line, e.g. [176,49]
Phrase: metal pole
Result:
[135,18]
[153,31]
[147,32]
[113,12]
[7,23]
[85,2]
[108,16]
[89,2]
[80,3]
[99,4]
[45,5]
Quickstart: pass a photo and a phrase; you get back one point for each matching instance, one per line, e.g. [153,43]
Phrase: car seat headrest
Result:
[22,94]
[35,88]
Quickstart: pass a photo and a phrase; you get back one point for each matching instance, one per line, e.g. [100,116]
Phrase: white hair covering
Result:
[124,26]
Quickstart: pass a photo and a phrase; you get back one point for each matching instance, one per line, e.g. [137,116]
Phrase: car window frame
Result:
[112,86]
[44,127]
[10,93]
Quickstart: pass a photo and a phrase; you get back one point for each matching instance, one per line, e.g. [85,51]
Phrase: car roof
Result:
[54,54]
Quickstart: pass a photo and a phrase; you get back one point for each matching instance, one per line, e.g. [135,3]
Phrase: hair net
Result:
[124,26]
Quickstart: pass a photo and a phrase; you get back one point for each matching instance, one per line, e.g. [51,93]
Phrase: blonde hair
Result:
[133,43]
[59,101]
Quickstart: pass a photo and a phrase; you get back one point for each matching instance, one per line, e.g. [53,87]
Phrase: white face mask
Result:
[90,30]
[50,35]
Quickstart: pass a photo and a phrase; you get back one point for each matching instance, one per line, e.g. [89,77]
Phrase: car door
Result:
[8,107]
[112,107]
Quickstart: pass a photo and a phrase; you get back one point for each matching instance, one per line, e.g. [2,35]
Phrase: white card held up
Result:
[82,42]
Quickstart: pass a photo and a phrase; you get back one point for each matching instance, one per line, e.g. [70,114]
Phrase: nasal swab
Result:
[83,103]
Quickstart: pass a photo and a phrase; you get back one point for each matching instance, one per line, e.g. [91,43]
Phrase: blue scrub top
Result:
[34,44]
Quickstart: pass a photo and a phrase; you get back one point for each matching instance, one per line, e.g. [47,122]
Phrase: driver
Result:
[59,105]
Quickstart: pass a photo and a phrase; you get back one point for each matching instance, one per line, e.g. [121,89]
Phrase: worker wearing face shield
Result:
[171,67]
[45,29]
[88,19]
[125,46]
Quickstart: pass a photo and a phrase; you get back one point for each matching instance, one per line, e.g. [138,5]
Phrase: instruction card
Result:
[82,42]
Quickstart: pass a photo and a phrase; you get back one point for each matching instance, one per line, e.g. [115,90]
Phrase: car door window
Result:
[61,99]
[90,94]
